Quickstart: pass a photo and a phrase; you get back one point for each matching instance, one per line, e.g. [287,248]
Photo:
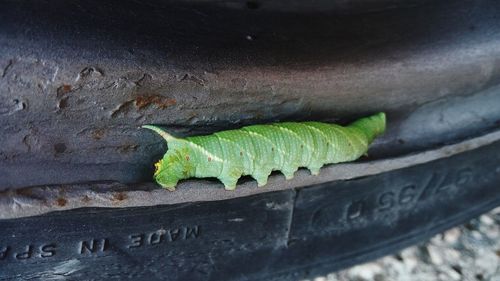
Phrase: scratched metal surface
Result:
[77,78]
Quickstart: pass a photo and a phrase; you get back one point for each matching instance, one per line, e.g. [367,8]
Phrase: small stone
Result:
[442,276]
[476,235]
[492,233]
[434,255]
[487,220]
[451,236]
[451,255]
[410,259]
[366,272]
[333,277]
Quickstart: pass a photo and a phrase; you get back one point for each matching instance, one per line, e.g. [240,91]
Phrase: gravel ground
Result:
[470,252]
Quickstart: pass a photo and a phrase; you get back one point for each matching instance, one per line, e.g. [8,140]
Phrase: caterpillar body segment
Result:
[257,150]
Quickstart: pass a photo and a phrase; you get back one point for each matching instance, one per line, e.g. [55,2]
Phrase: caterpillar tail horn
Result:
[372,126]
[168,137]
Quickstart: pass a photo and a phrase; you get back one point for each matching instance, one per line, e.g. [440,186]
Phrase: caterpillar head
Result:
[175,165]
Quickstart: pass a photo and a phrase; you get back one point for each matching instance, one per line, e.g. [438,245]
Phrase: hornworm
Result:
[257,150]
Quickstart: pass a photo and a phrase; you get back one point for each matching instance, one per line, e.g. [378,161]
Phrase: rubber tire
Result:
[67,66]
[284,235]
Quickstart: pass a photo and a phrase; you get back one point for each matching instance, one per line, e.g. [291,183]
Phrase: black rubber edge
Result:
[284,235]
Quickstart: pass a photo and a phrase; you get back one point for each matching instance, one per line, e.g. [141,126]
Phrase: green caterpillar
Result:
[258,150]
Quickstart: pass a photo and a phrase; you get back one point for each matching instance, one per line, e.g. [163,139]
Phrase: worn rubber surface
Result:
[285,235]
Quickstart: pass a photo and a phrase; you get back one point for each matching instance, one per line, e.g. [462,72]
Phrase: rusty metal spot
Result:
[160,101]
[61,202]
[63,90]
[143,101]
[120,196]
[24,192]
[98,134]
